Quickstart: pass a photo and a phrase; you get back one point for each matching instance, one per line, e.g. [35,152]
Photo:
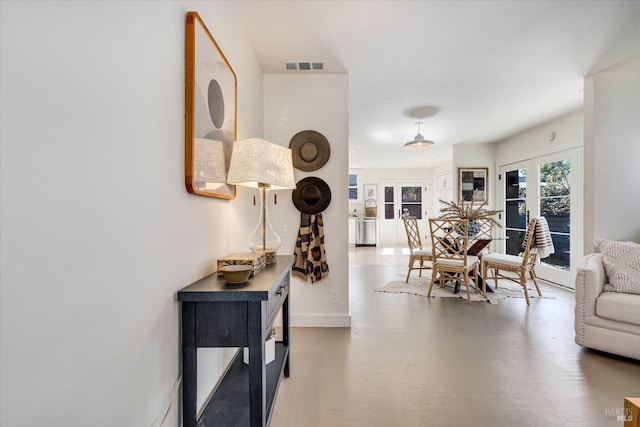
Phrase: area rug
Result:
[420,286]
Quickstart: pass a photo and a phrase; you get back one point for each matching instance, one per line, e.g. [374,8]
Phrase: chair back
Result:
[529,258]
[449,238]
[485,229]
[413,233]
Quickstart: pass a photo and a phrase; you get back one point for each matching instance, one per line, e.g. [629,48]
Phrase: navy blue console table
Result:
[215,314]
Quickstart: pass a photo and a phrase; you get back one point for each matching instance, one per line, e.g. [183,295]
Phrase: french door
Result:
[548,186]
[398,199]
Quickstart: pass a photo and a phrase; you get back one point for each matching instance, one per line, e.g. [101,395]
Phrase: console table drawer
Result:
[225,324]
[276,296]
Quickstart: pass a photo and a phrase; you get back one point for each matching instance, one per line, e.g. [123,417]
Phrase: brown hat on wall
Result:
[312,195]
[310,150]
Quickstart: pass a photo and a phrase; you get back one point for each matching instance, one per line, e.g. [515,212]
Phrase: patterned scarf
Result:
[311,259]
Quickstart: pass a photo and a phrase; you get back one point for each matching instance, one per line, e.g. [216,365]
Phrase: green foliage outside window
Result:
[555,188]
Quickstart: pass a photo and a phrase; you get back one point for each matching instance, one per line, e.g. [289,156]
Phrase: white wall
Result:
[612,152]
[293,103]
[534,142]
[97,231]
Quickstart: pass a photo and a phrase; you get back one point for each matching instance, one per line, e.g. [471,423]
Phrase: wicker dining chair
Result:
[416,252]
[450,238]
[520,265]
[483,232]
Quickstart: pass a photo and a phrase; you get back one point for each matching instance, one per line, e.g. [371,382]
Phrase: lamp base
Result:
[270,254]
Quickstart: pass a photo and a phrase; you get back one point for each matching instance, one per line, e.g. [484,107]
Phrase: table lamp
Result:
[261,164]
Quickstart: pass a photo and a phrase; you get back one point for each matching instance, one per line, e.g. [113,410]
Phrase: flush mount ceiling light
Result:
[419,141]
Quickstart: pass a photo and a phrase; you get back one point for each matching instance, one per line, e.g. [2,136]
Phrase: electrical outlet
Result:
[333,296]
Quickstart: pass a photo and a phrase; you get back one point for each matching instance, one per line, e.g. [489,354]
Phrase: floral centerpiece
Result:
[471,211]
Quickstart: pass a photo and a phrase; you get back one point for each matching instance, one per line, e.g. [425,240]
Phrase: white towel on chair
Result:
[542,243]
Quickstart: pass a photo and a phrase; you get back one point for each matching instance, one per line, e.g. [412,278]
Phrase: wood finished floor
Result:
[415,361]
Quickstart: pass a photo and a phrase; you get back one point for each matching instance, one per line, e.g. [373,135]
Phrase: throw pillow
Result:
[622,264]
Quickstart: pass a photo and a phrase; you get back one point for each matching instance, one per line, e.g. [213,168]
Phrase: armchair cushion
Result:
[619,307]
[622,264]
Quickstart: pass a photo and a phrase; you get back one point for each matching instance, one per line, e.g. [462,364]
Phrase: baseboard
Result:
[320,321]
[557,285]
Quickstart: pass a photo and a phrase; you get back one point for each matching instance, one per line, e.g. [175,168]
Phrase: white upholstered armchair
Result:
[606,321]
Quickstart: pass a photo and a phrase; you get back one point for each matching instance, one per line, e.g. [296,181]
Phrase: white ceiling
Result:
[472,71]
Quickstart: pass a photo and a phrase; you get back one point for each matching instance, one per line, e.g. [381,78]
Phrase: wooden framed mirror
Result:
[210,113]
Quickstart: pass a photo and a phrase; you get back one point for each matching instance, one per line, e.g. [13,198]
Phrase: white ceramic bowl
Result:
[236,274]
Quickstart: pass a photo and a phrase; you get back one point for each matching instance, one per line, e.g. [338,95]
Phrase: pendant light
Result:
[419,141]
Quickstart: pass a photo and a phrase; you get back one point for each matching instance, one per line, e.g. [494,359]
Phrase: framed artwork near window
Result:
[371,191]
[473,184]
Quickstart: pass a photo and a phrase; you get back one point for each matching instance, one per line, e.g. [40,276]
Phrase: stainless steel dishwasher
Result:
[366,231]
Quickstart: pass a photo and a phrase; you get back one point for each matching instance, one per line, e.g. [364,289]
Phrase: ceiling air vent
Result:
[303,66]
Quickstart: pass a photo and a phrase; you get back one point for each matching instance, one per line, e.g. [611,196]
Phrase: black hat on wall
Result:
[312,195]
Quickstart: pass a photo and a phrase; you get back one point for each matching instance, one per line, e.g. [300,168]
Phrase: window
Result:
[353,187]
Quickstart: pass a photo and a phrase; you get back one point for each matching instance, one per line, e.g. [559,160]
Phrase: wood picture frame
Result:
[211,92]
[473,184]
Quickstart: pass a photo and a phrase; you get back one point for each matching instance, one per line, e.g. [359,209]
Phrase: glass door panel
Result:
[515,208]
[554,182]
[412,201]
[389,202]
